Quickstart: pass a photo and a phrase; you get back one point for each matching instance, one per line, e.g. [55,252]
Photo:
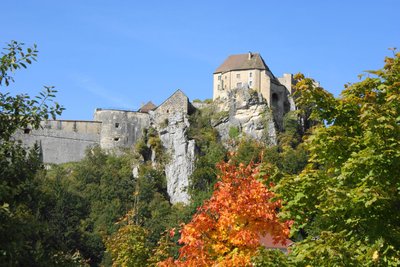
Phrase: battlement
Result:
[66,140]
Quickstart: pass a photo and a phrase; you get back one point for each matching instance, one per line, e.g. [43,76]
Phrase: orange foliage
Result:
[226,230]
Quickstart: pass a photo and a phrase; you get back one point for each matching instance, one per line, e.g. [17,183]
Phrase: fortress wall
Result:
[265,87]
[177,103]
[121,129]
[62,141]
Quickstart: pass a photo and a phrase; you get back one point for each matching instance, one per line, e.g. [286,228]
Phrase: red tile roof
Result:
[242,62]
[268,242]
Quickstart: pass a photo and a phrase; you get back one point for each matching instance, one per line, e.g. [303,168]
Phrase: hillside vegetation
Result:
[331,184]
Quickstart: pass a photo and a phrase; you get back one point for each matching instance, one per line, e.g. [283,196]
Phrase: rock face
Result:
[248,112]
[181,153]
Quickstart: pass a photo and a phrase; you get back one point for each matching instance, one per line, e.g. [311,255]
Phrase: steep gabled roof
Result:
[243,62]
[146,108]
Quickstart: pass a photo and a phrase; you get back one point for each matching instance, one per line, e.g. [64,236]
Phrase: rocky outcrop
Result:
[181,153]
[248,112]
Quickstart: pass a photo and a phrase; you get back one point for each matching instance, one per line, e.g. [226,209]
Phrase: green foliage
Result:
[26,234]
[270,258]
[248,150]
[21,111]
[95,193]
[353,170]
[210,152]
[217,116]
[166,248]
[20,227]
[80,203]
[128,246]
[234,132]
[142,149]
[313,102]
[107,183]
[150,143]
[200,128]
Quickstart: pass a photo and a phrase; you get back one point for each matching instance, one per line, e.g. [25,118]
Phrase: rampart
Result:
[61,140]
[120,128]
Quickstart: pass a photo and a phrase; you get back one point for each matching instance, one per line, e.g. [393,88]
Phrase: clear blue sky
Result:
[120,54]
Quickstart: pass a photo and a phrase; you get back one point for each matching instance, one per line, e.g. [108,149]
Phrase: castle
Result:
[235,83]
[66,140]
[250,71]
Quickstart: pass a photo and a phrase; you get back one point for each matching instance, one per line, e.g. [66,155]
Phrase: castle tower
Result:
[248,71]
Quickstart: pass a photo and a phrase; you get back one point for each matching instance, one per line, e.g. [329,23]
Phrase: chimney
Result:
[250,55]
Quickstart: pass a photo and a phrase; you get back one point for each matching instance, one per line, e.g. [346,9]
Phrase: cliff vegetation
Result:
[328,183]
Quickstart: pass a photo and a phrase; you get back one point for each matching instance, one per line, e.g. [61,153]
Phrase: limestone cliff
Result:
[248,112]
[181,152]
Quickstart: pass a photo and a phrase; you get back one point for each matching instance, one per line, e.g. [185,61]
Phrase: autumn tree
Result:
[226,230]
[345,202]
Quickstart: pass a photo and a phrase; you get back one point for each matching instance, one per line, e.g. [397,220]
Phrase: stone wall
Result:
[229,80]
[176,103]
[120,129]
[62,141]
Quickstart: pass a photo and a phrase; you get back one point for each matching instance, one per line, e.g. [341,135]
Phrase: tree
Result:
[346,201]
[226,230]
[22,230]
[20,111]
[311,101]
[128,245]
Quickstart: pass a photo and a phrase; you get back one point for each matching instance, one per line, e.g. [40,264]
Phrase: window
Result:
[250,74]
[239,85]
[219,87]
[117,125]
[251,83]
[116,139]
[27,131]
[219,77]
[238,76]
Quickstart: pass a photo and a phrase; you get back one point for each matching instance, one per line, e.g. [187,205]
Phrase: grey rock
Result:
[182,156]
[249,112]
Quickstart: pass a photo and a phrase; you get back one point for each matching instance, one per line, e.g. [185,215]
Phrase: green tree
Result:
[23,232]
[127,246]
[311,102]
[210,152]
[21,111]
[346,201]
